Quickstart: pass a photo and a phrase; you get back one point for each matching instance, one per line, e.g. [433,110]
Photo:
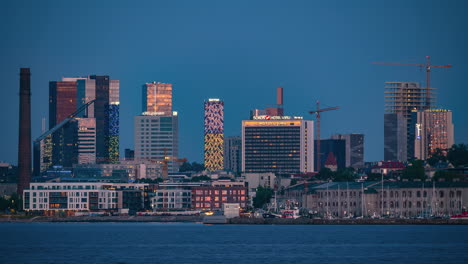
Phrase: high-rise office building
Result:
[354,149]
[106,112]
[285,145]
[214,134]
[129,154]
[62,103]
[86,141]
[232,154]
[93,135]
[402,98]
[156,135]
[432,130]
[157,98]
[395,137]
[156,138]
[337,148]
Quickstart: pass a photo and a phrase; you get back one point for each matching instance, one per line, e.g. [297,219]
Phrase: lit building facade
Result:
[106,112]
[232,154]
[214,135]
[157,138]
[285,145]
[157,98]
[433,129]
[93,135]
[87,196]
[213,197]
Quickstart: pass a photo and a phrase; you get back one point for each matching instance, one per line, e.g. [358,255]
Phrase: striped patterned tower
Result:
[214,135]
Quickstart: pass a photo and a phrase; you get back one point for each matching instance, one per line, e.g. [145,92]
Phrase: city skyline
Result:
[242,75]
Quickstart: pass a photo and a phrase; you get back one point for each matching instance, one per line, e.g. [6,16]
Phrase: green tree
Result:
[325,174]
[186,166]
[458,155]
[200,178]
[194,166]
[447,176]
[262,196]
[374,176]
[293,182]
[346,174]
[415,170]
[438,156]
[147,180]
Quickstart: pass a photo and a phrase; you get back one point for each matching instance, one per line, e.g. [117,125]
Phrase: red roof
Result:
[331,160]
[389,165]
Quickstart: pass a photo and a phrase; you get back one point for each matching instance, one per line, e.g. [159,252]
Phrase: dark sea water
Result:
[197,243]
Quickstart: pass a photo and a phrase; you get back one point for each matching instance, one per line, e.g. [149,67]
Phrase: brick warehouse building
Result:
[213,197]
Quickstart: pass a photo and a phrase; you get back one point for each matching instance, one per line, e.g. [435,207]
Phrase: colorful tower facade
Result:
[157,98]
[214,135]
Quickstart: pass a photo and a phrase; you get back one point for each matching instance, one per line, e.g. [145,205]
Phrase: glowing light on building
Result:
[214,134]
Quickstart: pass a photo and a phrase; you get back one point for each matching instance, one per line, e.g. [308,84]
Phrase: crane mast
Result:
[428,67]
[317,120]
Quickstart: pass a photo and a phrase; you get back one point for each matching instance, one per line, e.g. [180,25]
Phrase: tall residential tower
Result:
[214,135]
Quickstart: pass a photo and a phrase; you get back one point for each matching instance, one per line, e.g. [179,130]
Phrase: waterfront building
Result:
[354,149]
[393,199]
[173,195]
[279,144]
[432,130]
[84,196]
[335,146]
[214,135]
[255,180]
[213,197]
[402,98]
[157,98]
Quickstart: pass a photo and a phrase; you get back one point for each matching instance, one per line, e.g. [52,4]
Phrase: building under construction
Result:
[401,98]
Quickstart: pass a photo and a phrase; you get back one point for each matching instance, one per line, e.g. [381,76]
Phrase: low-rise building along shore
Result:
[113,197]
[392,199]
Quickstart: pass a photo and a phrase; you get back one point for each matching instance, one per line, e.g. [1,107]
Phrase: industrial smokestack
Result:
[279,97]
[24,142]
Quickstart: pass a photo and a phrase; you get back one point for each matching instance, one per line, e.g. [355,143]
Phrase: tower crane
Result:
[165,161]
[317,118]
[428,67]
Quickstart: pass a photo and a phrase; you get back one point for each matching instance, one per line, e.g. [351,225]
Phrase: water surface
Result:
[197,243]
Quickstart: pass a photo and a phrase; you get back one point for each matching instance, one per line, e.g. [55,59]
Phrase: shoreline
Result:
[235,221]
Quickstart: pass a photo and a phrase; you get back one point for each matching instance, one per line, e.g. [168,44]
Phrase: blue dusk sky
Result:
[238,51]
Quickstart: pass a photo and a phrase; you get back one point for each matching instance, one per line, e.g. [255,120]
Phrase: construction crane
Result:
[428,67]
[317,118]
[165,161]
[64,122]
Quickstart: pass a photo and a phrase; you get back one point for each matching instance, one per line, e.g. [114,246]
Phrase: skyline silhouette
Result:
[238,52]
